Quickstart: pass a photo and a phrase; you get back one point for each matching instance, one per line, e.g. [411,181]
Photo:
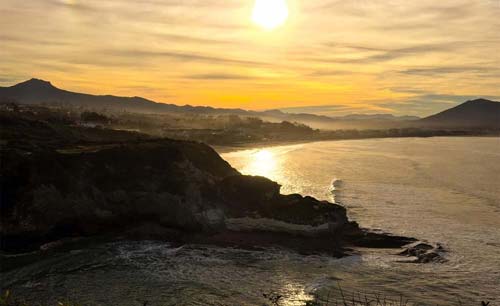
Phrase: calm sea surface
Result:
[444,190]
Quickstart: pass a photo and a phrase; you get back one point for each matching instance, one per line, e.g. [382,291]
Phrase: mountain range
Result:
[475,113]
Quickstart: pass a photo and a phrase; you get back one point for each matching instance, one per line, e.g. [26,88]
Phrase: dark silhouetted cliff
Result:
[60,181]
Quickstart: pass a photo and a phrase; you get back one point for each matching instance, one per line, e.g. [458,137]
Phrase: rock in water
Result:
[425,253]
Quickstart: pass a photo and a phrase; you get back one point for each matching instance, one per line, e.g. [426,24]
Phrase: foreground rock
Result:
[424,253]
[155,189]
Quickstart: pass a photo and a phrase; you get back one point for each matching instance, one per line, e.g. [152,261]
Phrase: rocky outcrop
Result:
[424,253]
[245,196]
[157,189]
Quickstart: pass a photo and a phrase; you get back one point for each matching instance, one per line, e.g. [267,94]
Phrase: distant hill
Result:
[388,117]
[476,113]
[480,113]
[37,91]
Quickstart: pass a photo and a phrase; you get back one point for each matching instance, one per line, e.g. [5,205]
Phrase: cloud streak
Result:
[219,76]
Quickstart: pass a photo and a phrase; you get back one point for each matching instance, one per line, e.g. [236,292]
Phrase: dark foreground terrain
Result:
[61,182]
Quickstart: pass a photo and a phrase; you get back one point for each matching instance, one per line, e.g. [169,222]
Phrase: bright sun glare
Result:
[263,163]
[270,14]
[264,156]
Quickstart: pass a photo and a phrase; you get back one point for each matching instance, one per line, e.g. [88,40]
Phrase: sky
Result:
[329,57]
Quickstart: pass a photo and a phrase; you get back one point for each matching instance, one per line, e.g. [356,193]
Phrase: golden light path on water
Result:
[264,163]
[272,163]
[268,163]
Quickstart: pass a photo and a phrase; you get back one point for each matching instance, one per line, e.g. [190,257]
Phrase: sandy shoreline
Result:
[221,149]
[260,145]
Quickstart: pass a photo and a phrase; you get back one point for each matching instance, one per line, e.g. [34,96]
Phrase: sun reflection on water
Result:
[263,163]
[294,294]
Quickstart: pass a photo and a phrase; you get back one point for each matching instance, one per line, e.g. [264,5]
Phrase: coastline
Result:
[222,149]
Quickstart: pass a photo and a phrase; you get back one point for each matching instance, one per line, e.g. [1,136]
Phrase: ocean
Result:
[440,190]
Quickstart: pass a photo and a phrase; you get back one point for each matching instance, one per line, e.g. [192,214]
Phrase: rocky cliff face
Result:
[50,194]
[53,192]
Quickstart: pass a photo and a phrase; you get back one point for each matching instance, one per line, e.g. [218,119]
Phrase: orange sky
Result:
[330,57]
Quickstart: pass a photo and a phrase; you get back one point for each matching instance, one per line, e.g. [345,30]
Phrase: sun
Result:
[270,14]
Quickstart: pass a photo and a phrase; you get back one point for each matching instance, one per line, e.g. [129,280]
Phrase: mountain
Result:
[480,113]
[36,91]
[476,113]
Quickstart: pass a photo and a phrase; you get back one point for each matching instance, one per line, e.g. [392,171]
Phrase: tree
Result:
[94,117]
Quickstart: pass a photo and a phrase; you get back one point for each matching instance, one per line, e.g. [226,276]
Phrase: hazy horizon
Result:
[328,57]
[333,111]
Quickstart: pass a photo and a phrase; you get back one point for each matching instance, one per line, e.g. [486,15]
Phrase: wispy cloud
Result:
[373,54]
[181,56]
[436,71]
[219,76]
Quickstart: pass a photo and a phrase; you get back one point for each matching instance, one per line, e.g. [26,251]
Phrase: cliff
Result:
[56,185]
